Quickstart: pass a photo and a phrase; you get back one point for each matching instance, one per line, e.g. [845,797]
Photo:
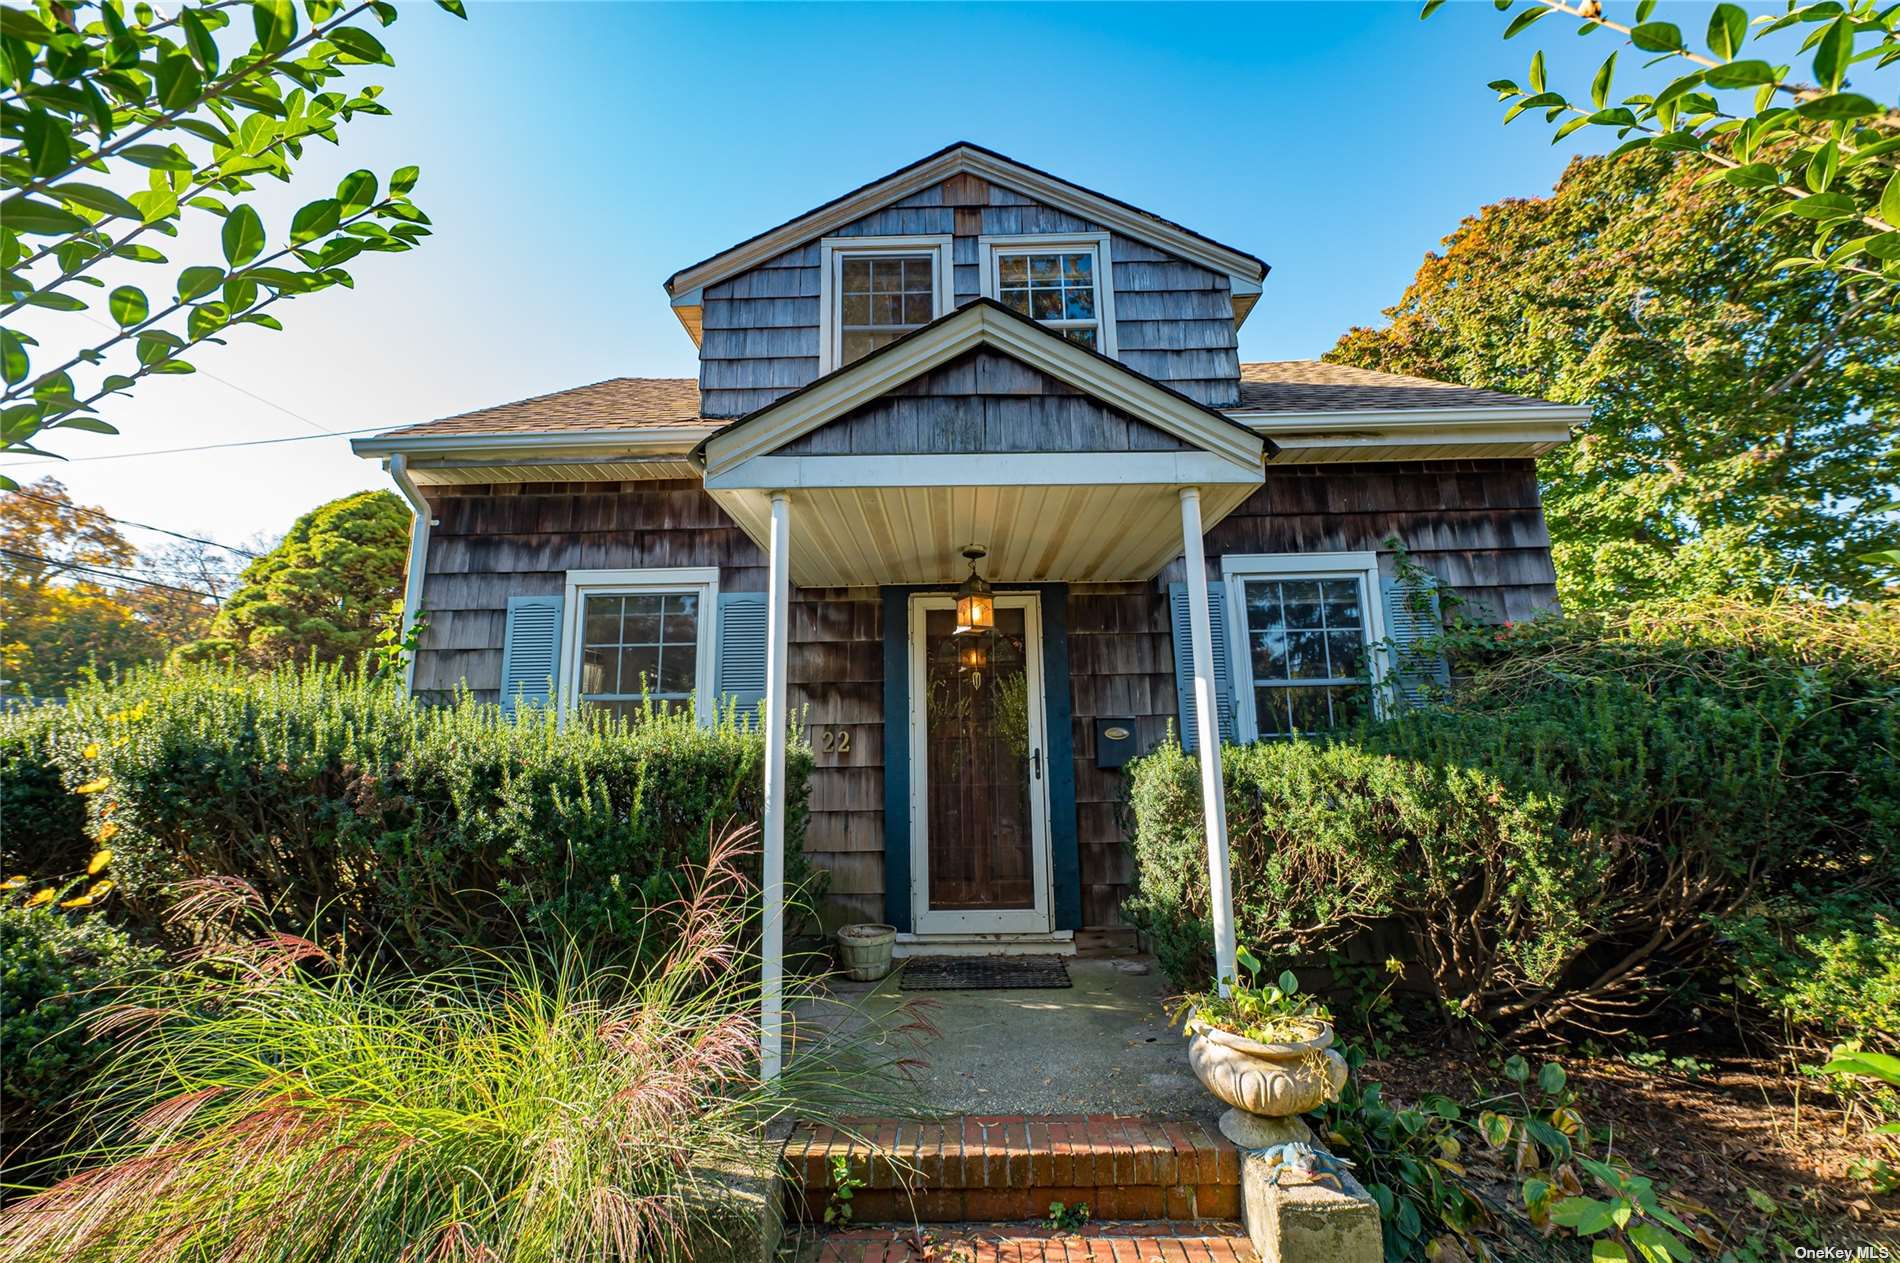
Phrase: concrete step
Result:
[1152,1242]
[990,1167]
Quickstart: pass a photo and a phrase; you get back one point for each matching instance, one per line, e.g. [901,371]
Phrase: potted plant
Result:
[1264,1050]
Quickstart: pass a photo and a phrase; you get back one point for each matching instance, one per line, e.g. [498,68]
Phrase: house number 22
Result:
[835,741]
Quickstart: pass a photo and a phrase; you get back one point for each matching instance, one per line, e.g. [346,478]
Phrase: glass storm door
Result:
[979,802]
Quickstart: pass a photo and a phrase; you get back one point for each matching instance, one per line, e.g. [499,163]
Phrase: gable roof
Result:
[1316,386]
[953,159]
[983,322]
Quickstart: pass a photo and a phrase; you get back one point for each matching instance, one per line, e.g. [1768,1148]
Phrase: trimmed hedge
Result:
[42,826]
[1572,835]
[407,827]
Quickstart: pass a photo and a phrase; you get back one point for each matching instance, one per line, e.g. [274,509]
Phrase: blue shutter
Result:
[1184,662]
[741,652]
[530,651]
[1419,670]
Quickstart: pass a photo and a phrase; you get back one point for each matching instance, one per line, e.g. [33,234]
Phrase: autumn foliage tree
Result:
[1744,438]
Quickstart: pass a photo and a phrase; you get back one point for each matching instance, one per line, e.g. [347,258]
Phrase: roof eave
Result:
[1468,419]
[650,440]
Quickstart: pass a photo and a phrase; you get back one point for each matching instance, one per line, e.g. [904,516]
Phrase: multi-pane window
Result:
[881,297]
[636,644]
[1306,648]
[1055,287]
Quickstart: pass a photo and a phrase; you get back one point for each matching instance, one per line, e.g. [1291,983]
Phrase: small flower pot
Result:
[864,951]
[1265,1081]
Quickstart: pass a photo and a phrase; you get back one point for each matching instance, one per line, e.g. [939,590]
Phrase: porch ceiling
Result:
[867,536]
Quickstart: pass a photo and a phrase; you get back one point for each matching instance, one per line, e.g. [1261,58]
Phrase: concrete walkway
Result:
[1103,1046]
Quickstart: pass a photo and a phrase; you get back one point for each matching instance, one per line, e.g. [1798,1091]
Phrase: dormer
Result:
[780,310]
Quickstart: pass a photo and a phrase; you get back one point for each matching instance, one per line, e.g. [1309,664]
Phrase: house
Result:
[971,373]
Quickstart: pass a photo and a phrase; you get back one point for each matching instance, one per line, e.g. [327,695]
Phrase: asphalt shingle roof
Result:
[639,403]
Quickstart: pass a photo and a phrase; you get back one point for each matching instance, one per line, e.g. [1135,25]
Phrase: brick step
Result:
[985,1167]
[1148,1242]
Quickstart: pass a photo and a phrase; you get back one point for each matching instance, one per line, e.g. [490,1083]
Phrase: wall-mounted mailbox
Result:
[1114,742]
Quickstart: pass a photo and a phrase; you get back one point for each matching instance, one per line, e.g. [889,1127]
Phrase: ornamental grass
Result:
[270,1102]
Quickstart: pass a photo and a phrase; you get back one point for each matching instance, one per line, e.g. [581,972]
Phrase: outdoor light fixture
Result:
[976,605]
[974,655]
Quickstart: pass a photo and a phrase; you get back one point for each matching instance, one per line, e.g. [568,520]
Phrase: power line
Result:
[143,526]
[80,567]
[203,447]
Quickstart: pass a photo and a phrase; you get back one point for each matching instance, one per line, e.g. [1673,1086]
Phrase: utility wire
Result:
[203,447]
[80,567]
[143,526]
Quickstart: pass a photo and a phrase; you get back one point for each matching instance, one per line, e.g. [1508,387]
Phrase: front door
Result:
[979,806]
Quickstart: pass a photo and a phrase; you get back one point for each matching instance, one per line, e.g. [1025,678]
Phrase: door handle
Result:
[1035,759]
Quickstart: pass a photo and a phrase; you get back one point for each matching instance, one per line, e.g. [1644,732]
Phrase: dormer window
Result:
[874,290]
[1062,282]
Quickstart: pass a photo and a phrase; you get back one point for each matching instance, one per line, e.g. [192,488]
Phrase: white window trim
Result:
[990,248]
[832,251]
[702,581]
[1237,568]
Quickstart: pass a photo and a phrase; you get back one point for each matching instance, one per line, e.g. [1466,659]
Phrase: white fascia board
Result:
[1545,435]
[1440,419]
[646,441]
[1059,193]
[987,469]
[872,378]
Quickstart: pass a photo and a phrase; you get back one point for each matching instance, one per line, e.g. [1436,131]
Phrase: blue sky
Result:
[574,155]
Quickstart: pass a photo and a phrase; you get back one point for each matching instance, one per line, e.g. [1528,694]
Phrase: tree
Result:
[121,124]
[1744,434]
[68,600]
[1825,156]
[325,592]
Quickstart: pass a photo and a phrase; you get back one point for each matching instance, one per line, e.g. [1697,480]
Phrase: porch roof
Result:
[1047,509]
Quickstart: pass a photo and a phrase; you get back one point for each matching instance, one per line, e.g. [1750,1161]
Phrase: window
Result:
[1061,282]
[640,634]
[1305,626]
[874,290]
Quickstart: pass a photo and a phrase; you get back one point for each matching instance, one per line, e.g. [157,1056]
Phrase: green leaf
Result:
[1551,1078]
[1728,27]
[1537,71]
[1740,74]
[158,157]
[360,44]
[1885,557]
[357,192]
[243,236]
[128,306]
[1821,167]
[1753,175]
[40,219]
[455,7]
[179,83]
[91,425]
[1517,1070]
[194,282]
[1431,7]
[1890,201]
[52,301]
[317,219]
[1657,37]
[1600,86]
[48,142]
[1582,1215]
[204,49]
[1825,206]
[404,179]
[21,25]
[14,362]
[276,23]
[1834,53]
[1525,20]
[1289,985]
[91,196]
[1837,106]
[1643,9]
[1606,1250]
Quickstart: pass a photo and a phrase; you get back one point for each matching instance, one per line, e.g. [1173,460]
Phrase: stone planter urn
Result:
[864,951]
[1267,1085]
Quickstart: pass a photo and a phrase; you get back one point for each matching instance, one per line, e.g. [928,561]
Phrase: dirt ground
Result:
[1742,1124]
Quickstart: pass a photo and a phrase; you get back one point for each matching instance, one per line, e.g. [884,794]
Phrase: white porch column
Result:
[772,882]
[1207,737]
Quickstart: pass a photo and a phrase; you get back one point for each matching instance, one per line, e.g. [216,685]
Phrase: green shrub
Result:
[1830,968]
[351,808]
[1563,838]
[42,826]
[56,969]
[520,1105]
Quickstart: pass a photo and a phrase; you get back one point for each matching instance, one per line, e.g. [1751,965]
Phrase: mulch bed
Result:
[1746,1123]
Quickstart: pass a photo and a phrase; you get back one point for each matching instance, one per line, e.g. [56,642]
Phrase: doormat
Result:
[983,973]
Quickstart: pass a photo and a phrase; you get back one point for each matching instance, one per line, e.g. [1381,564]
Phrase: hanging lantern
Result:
[974,654]
[976,604]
